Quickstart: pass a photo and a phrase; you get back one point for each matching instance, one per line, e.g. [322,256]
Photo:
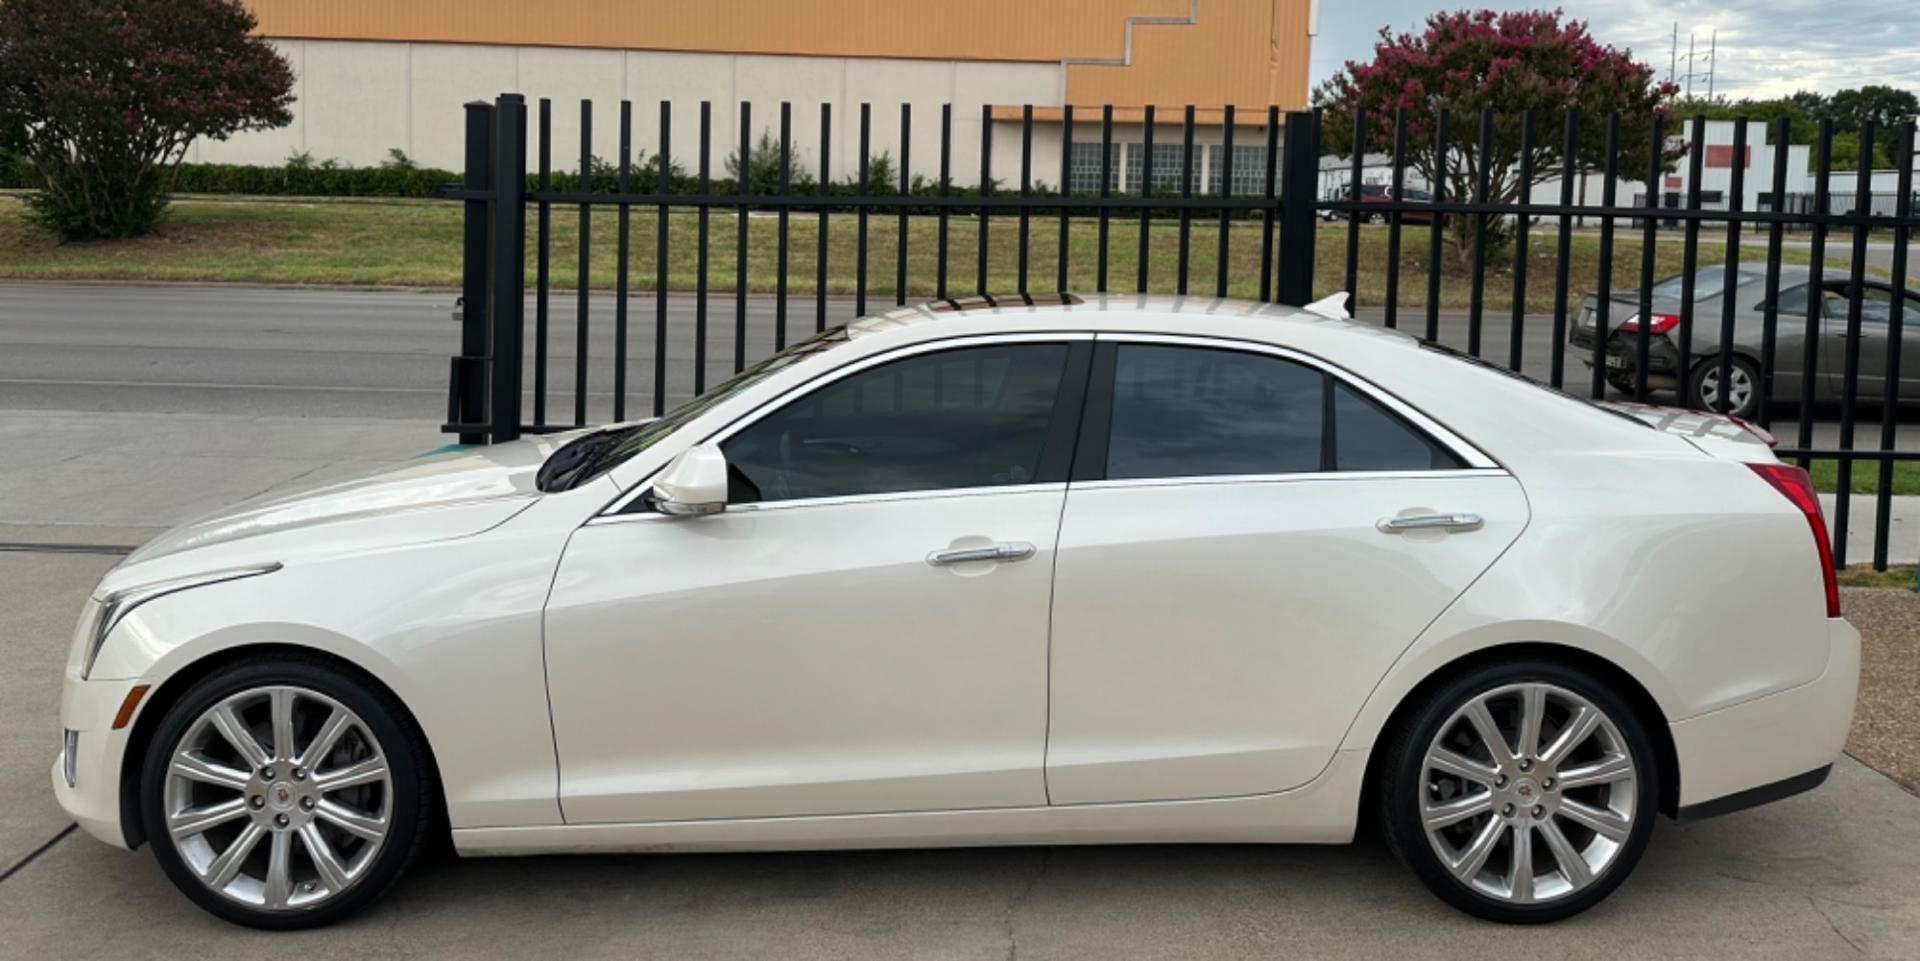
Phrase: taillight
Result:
[1798,488]
[1661,323]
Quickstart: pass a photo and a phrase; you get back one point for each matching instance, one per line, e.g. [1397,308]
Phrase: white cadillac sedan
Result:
[1120,570]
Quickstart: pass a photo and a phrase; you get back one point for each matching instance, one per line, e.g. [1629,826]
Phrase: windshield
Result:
[633,440]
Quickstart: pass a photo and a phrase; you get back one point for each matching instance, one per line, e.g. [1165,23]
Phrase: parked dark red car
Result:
[1382,194]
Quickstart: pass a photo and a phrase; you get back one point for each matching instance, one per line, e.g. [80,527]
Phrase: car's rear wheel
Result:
[285,793]
[1743,398]
[1521,792]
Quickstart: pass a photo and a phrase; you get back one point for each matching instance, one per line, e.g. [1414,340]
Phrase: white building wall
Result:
[356,100]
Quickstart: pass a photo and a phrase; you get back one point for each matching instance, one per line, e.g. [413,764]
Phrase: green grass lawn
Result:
[1900,576]
[417,243]
[1866,476]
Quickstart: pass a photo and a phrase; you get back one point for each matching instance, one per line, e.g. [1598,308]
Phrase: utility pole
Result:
[1689,66]
[1713,46]
[1673,52]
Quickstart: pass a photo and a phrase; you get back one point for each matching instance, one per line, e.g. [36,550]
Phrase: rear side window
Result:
[1207,412]
[1367,436]
[968,417]
[1189,412]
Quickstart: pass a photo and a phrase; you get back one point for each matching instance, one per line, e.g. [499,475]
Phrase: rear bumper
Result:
[1754,797]
[1623,352]
[1773,746]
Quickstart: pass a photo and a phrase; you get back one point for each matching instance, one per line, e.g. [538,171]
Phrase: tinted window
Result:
[1876,306]
[1190,412]
[1369,437]
[971,417]
[1792,302]
[1707,282]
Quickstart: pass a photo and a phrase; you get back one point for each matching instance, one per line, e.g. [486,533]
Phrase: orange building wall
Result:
[1245,52]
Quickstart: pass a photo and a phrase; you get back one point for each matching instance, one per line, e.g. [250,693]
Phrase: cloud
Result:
[1765,49]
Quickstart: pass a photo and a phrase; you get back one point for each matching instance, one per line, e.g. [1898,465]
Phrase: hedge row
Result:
[330,180]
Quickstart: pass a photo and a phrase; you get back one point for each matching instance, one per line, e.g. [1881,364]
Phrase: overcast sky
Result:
[1767,47]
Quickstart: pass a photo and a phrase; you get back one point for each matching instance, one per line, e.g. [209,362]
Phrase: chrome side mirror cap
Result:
[693,483]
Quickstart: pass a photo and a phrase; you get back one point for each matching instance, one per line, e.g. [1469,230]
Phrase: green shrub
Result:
[104,97]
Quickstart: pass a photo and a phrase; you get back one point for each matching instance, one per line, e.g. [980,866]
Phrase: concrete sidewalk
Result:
[1903,527]
[97,468]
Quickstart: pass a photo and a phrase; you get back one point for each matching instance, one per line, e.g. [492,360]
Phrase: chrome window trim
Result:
[798,391]
[1301,477]
[1466,451]
[945,493]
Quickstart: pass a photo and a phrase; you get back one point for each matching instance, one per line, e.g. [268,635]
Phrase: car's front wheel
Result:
[1520,792]
[284,792]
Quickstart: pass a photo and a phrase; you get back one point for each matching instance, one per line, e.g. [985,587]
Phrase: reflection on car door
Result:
[1226,591]
[1876,314]
[863,629]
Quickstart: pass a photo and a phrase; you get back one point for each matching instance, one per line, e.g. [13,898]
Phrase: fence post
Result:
[1299,175]
[506,301]
[470,368]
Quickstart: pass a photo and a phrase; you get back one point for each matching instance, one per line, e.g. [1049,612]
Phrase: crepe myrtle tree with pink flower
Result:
[103,97]
[1467,62]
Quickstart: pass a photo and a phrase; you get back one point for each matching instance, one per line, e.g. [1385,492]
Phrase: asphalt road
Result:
[383,354]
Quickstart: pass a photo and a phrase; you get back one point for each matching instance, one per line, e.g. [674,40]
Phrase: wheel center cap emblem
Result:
[280,796]
[1525,790]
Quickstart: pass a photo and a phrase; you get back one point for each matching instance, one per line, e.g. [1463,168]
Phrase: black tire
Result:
[410,821]
[1742,368]
[1402,786]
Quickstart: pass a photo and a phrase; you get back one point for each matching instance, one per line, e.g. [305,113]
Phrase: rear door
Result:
[1249,541]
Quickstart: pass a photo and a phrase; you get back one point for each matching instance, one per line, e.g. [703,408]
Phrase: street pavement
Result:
[214,393]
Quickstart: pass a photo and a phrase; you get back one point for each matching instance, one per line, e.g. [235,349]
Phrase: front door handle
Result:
[1458,521]
[1015,551]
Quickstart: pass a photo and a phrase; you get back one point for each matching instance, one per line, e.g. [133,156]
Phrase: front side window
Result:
[1876,307]
[962,418]
[1209,412]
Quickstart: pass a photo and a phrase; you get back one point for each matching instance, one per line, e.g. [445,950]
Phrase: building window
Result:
[1135,164]
[1083,171]
[1166,167]
[1249,169]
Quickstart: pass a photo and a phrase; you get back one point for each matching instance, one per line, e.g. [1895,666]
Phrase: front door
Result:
[1250,541]
[864,629]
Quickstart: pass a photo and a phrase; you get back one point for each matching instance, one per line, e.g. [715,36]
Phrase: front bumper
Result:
[93,800]
[1782,739]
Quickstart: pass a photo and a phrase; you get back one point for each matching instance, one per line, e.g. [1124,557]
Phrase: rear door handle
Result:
[1458,521]
[1012,551]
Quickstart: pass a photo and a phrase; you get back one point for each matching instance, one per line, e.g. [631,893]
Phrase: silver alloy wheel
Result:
[1742,388]
[278,798]
[1528,793]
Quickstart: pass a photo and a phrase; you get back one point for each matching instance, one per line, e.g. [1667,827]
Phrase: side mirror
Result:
[693,483]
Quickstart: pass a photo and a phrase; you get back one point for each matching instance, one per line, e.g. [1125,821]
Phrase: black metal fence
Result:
[489,400]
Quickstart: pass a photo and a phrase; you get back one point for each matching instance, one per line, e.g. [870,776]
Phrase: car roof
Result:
[1088,312]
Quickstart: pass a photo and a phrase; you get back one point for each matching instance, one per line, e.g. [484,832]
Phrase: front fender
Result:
[452,628]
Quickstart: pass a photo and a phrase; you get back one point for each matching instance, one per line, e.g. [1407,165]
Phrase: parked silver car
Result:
[1750,311]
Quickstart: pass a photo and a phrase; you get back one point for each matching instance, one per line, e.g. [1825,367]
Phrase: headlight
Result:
[104,612]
